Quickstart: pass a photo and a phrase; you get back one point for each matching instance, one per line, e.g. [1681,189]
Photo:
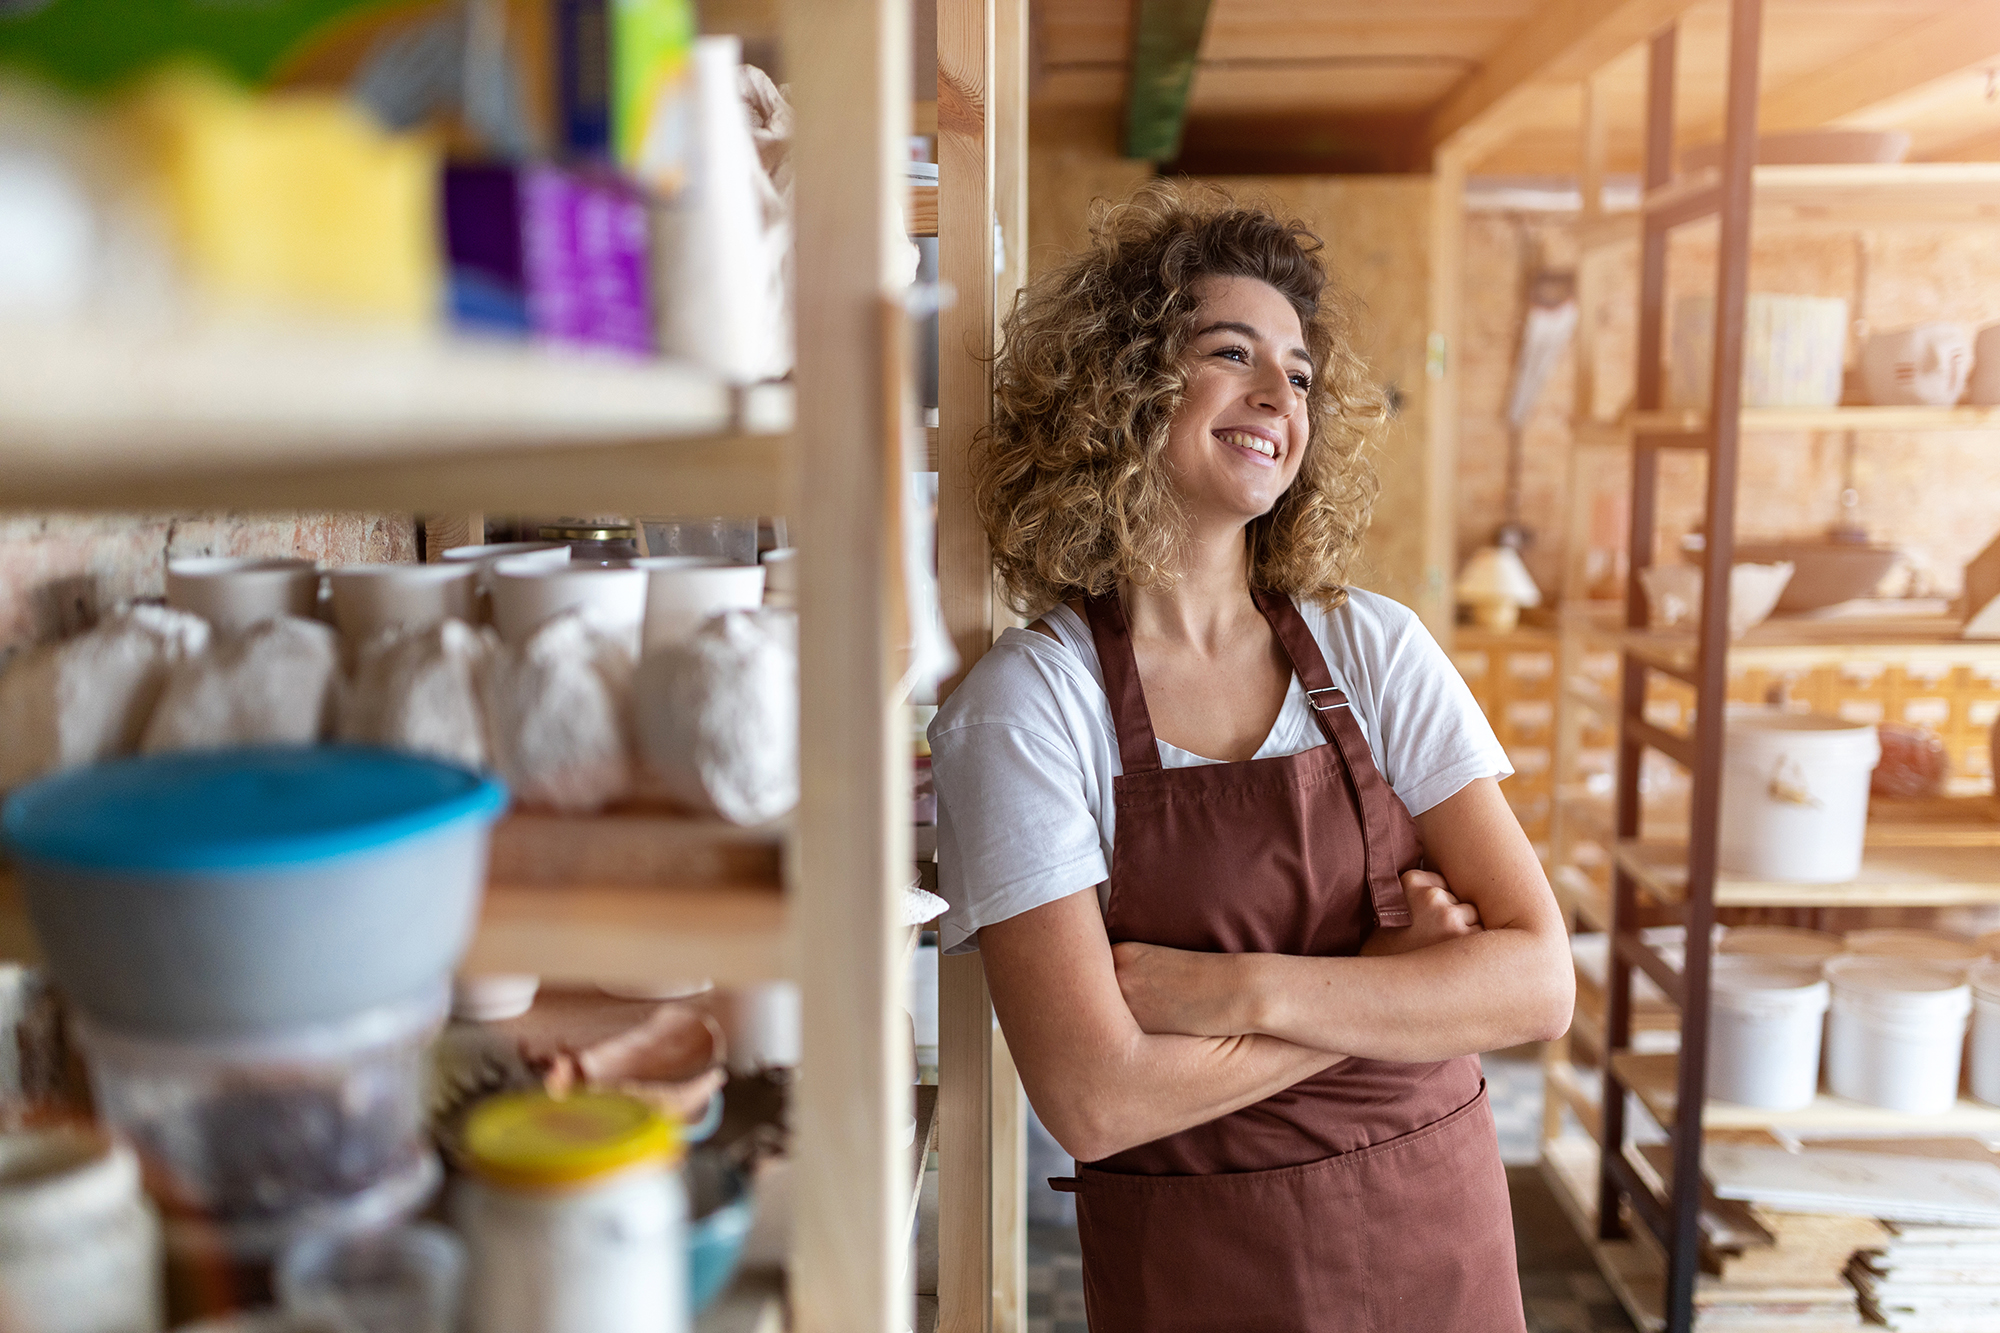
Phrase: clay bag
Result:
[418,691]
[718,716]
[89,698]
[271,685]
[555,716]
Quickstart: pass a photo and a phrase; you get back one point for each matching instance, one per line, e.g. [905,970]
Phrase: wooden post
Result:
[1434,601]
[1009,1127]
[444,531]
[966,151]
[851,91]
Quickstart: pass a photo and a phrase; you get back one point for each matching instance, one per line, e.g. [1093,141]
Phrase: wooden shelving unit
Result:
[213,416]
[1660,855]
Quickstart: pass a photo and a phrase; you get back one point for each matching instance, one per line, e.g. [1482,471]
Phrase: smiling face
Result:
[1240,433]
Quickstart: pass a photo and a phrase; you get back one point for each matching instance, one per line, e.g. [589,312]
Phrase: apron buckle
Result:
[1339,699]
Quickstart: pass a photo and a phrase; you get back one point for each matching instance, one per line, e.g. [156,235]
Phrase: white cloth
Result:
[1023,753]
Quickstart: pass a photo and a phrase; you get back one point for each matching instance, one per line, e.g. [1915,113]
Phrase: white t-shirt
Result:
[1023,753]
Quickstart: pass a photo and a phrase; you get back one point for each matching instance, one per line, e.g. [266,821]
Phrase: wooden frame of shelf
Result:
[1921,194]
[1890,877]
[1651,1078]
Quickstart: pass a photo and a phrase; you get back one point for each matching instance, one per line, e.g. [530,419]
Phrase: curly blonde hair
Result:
[1069,481]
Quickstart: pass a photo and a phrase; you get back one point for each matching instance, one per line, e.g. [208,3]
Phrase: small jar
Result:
[79,1245]
[595,541]
[575,1216]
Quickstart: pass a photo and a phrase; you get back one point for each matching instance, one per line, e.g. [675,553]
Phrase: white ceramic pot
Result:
[1986,367]
[1795,795]
[1923,366]
[232,593]
[682,592]
[368,599]
[526,594]
[781,578]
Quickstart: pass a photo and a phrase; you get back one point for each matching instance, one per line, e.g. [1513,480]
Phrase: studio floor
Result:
[1560,1286]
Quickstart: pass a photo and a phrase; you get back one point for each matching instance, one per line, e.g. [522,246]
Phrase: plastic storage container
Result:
[79,1247]
[401,1280]
[1790,943]
[1795,795]
[1764,1025]
[1895,1032]
[1984,1047]
[575,1216]
[1898,942]
[287,1132]
[238,891]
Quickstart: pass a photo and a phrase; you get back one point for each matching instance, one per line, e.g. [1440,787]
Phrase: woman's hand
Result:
[1435,916]
[1175,990]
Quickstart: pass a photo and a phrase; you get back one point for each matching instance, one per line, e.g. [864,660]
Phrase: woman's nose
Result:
[1274,391]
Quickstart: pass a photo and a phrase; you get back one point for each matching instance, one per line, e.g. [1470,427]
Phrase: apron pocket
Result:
[1413,1235]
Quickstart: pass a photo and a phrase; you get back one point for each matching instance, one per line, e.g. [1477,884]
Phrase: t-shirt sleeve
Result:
[1015,825]
[1435,739]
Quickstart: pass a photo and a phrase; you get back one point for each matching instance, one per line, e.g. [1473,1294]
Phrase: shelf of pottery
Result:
[1813,974]
[252,833]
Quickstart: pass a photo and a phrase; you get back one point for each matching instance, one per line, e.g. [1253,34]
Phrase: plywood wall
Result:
[1375,228]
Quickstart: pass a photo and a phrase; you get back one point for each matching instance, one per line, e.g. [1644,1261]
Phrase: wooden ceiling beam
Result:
[1949,43]
[1564,43]
[1166,45]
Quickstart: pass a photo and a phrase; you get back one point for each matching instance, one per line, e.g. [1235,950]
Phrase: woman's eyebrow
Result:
[1238,327]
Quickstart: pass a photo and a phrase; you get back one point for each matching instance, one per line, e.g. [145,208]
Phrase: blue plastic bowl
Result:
[715,1244]
[229,892]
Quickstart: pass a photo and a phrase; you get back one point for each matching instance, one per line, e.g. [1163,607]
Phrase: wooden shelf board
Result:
[634,845]
[277,417]
[1771,420]
[1890,877]
[1860,194]
[1651,1079]
[1799,642]
[1939,822]
[635,934]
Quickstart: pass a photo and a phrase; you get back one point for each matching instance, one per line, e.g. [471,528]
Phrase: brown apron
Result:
[1368,1198]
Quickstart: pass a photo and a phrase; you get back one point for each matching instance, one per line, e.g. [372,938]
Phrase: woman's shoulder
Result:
[1366,626]
[1028,678]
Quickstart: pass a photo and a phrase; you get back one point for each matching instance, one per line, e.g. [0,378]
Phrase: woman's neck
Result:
[1210,602]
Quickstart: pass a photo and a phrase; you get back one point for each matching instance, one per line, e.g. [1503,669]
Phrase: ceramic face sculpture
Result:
[1922,366]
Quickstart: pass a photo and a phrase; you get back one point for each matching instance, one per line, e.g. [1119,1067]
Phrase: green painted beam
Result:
[1166,41]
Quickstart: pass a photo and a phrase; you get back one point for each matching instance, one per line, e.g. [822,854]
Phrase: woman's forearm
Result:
[1153,1086]
[1483,992]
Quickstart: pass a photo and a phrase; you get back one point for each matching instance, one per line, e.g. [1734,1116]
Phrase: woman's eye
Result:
[1302,382]
[1234,353]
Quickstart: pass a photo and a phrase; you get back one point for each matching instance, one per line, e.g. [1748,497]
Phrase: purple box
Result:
[562,254]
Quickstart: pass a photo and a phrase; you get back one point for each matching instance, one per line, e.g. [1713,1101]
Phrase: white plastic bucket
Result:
[1790,943]
[1899,942]
[1764,1023]
[1985,1044]
[1896,1031]
[1795,795]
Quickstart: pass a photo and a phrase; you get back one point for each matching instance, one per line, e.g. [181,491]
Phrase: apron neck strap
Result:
[1138,750]
[1372,795]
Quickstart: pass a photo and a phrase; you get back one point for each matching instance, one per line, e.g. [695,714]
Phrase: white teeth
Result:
[1245,440]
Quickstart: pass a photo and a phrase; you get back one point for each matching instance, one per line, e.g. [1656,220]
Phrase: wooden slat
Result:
[1010,1193]
[965,1136]
[850,83]
[1773,420]
[1565,42]
[1436,604]
[633,845]
[638,936]
[1651,1078]
[444,531]
[1890,877]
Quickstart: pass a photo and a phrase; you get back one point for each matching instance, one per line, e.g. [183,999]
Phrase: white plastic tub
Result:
[1764,1031]
[1985,1044]
[1795,795]
[1895,1032]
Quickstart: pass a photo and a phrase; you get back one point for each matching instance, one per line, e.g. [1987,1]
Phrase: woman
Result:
[1182,814]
